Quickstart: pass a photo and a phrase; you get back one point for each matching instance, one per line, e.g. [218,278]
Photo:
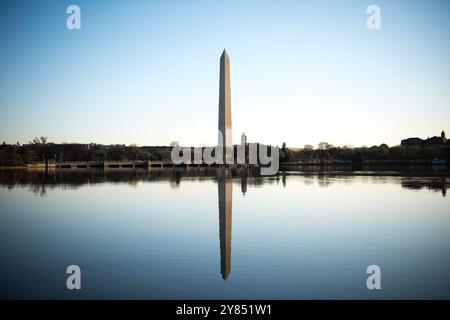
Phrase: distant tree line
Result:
[16,155]
[328,152]
[40,150]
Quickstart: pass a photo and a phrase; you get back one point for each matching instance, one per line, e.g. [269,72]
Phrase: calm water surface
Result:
[177,235]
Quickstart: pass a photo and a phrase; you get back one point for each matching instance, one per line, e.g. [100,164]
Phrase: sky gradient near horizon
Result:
[147,72]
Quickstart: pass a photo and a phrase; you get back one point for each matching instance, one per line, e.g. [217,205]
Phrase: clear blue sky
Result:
[147,72]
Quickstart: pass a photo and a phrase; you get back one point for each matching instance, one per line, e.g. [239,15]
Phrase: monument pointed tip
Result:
[224,53]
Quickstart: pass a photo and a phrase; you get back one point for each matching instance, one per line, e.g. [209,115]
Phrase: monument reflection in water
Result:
[225,188]
[225,219]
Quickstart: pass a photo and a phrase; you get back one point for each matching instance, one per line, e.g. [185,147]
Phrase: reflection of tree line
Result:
[39,181]
[436,183]
[430,184]
[370,170]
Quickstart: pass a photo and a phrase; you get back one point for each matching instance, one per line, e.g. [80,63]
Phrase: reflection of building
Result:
[431,183]
[244,183]
[444,186]
[225,213]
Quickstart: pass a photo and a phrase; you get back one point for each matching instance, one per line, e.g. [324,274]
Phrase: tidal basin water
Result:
[180,235]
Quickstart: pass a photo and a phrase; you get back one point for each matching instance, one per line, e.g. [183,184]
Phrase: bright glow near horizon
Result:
[147,72]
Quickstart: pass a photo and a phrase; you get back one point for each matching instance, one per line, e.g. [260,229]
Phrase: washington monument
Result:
[225,138]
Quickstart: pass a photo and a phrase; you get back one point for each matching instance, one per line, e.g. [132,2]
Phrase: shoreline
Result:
[330,164]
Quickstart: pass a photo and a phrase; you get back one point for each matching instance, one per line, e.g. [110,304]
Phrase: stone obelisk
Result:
[225,138]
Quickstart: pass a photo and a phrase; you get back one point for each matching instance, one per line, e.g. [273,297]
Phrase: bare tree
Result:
[41,146]
[323,145]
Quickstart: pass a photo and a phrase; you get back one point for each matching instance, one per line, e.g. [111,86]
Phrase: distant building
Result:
[433,141]
[243,139]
